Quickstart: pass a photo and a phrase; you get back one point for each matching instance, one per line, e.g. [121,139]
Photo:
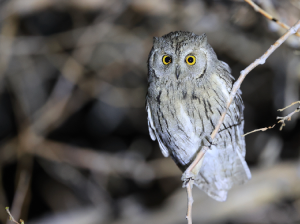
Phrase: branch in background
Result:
[234,90]
[289,106]
[8,30]
[289,116]
[11,218]
[281,119]
[261,129]
[268,16]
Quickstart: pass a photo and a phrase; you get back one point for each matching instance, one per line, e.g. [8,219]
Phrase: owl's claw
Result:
[207,141]
[186,177]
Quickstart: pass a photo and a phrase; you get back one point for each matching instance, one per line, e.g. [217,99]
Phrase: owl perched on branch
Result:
[187,93]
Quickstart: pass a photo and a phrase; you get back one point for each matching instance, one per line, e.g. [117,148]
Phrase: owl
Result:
[188,88]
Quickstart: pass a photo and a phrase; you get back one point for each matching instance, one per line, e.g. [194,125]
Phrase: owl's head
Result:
[180,55]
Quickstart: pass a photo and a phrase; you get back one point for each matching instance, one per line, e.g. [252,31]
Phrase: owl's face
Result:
[179,56]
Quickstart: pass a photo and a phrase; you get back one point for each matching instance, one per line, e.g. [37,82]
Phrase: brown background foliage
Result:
[74,140]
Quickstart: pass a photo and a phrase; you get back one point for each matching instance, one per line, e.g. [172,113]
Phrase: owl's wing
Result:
[216,176]
[153,133]
[223,167]
[238,108]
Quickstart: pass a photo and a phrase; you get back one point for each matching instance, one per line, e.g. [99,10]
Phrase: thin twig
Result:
[289,106]
[20,195]
[11,218]
[261,129]
[236,87]
[190,201]
[268,16]
[288,117]
[281,119]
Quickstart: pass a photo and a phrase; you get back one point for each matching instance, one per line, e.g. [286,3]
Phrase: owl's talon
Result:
[186,181]
[207,141]
[187,177]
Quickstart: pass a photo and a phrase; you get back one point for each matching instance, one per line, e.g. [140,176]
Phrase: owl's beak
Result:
[177,71]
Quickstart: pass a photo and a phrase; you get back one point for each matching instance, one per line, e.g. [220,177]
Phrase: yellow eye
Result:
[191,60]
[167,59]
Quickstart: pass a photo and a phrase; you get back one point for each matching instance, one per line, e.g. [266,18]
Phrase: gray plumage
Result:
[185,101]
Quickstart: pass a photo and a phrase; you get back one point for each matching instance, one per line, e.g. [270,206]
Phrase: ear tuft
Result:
[203,39]
[155,41]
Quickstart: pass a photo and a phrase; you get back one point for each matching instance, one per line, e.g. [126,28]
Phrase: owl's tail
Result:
[221,169]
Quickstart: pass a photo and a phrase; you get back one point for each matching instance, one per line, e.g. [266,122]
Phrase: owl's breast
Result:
[177,130]
[185,114]
[187,134]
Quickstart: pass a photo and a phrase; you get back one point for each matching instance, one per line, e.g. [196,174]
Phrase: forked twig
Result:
[289,116]
[281,119]
[234,90]
[268,16]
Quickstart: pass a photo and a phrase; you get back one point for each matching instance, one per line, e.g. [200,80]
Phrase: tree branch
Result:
[189,188]
[261,129]
[289,116]
[268,16]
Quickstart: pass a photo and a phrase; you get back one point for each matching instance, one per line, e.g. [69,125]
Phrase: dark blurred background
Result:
[74,142]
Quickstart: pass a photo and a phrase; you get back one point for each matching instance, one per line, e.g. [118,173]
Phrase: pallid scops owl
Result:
[188,88]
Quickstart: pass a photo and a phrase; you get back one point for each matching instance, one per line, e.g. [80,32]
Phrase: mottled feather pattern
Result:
[183,112]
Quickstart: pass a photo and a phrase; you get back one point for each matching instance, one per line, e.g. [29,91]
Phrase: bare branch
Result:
[289,106]
[190,201]
[289,116]
[281,119]
[268,16]
[261,129]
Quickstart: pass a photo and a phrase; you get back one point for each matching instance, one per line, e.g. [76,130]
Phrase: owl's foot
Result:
[207,141]
[186,177]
